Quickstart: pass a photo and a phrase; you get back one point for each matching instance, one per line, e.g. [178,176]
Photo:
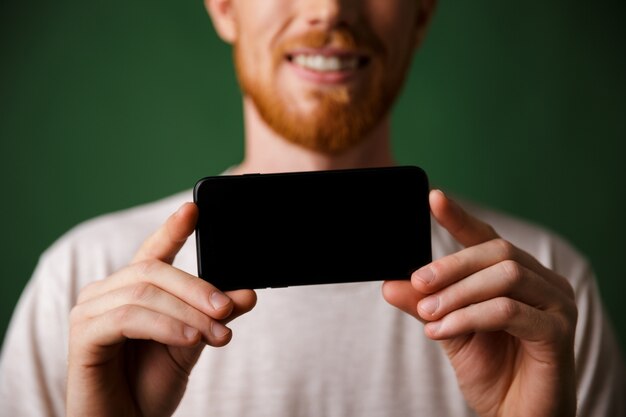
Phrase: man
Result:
[502,300]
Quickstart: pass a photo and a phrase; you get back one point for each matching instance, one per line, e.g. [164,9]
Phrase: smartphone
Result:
[319,227]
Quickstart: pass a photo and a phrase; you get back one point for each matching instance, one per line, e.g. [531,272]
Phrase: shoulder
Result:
[122,227]
[97,247]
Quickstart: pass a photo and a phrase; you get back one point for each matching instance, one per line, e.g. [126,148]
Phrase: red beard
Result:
[343,115]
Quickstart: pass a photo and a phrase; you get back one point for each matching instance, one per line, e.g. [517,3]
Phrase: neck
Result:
[266,151]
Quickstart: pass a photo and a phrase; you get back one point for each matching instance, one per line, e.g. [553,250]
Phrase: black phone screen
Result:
[302,228]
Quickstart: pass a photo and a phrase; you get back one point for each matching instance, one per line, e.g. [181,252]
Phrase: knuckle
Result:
[199,290]
[122,314]
[506,308]
[146,267]
[438,267]
[164,323]
[142,291]
[200,287]
[513,272]
[192,316]
[504,248]
[456,260]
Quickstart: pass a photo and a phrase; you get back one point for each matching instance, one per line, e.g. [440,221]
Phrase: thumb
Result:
[465,228]
[165,243]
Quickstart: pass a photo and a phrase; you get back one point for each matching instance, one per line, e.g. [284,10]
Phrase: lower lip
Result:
[327,77]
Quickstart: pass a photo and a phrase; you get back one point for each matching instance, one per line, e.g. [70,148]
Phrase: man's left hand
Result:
[506,322]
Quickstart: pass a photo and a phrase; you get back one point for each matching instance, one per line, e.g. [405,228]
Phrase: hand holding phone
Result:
[320,227]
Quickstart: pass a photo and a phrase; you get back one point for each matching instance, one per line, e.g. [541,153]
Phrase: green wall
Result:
[104,105]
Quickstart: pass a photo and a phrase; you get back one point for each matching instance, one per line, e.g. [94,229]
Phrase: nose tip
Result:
[328,13]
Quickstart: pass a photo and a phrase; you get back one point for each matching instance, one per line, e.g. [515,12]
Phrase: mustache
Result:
[363,41]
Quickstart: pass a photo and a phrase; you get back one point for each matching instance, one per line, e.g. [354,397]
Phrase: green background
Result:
[104,105]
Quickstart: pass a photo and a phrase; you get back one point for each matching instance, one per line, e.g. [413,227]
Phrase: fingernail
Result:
[218,300]
[429,305]
[425,274]
[219,330]
[190,332]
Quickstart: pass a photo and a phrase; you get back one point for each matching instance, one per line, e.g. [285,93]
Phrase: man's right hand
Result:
[136,335]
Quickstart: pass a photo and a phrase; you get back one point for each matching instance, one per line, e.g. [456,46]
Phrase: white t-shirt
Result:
[330,350]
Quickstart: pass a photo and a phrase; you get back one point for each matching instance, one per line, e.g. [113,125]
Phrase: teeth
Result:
[326,63]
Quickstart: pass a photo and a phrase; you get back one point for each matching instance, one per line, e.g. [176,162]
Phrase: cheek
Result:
[259,27]
[259,21]
[253,60]
[385,13]
[394,23]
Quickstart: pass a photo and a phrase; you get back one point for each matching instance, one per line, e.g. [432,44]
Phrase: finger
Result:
[455,267]
[497,314]
[133,322]
[402,295]
[165,243]
[505,279]
[191,289]
[153,298]
[243,301]
[452,268]
[465,228]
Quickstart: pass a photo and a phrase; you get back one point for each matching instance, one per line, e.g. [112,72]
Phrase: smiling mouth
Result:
[328,62]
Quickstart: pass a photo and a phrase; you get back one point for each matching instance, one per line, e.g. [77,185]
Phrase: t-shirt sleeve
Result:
[34,355]
[600,366]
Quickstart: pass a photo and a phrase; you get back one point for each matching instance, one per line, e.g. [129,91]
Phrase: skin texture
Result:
[324,117]
[136,335]
[336,117]
[506,322]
